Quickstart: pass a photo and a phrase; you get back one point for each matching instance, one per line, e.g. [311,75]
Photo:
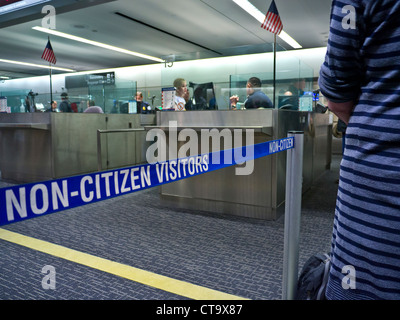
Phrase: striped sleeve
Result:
[340,73]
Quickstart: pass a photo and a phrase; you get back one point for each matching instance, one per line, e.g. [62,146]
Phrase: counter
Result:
[43,146]
[262,193]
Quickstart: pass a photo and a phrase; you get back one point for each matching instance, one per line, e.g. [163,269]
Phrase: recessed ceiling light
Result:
[15,5]
[36,65]
[259,16]
[95,43]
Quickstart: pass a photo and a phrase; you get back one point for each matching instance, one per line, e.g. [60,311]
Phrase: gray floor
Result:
[235,255]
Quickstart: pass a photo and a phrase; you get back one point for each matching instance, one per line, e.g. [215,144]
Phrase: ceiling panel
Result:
[175,28]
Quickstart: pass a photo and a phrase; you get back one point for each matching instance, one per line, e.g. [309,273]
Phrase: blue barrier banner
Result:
[26,201]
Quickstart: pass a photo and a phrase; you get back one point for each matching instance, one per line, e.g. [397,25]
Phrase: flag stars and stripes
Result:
[272,21]
[48,54]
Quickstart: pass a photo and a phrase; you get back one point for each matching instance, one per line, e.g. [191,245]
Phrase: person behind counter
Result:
[92,108]
[141,105]
[290,99]
[188,100]
[296,88]
[64,105]
[53,107]
[181,93]
[255,97]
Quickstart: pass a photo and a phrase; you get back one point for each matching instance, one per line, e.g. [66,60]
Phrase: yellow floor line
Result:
[164,283]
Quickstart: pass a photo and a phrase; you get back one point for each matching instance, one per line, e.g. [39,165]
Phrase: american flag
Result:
[48,53]
[272,21]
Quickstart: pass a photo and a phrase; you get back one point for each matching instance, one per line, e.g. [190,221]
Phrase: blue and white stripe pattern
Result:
[363,64]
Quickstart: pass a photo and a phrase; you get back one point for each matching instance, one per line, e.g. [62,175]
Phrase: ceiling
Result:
[168,29]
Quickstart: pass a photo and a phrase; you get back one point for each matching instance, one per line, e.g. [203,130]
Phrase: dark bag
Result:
[313,278]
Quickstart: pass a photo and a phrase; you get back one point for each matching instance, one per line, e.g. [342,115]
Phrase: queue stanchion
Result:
[294,178]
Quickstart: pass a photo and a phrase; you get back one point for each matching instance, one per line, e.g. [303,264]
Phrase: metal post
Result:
[274,76]
[294,179]
[99,161]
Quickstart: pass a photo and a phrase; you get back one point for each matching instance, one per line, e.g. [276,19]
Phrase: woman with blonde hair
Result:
[181,92]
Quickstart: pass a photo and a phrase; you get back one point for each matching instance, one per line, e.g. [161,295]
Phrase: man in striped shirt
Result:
[361,79]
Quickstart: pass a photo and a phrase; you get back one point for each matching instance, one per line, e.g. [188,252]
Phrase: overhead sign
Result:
[85,80]
[107,78]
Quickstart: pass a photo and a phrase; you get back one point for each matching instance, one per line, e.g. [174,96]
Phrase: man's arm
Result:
[342,109]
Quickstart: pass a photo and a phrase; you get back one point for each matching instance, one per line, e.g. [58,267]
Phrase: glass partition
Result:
[16,100]
[112,98]
[213,81]
[293,84]
[103,89]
